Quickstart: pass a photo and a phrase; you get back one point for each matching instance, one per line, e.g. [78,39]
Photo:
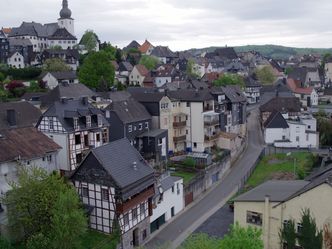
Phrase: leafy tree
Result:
[190,69]
[56,47]
[2,77]
[16,88]
[95,66]
[103,85]
[229,79]
[324,126]
[265,75]
[4,244]
[89,40]
[242,238]
[118,55]
[149,62]
[310,237]
[55,65]
[288,234]
[189,162]
[201,241]
[37,203]
[110,51]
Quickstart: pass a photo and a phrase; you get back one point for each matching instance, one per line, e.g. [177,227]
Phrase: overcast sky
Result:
[184,24]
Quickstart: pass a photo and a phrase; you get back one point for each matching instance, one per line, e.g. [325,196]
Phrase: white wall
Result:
[64,44]
[274,134]
[16,61]
[170,199]
[67,24]
[160,81]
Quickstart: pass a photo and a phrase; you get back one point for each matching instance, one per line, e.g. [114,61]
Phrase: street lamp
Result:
[289,154]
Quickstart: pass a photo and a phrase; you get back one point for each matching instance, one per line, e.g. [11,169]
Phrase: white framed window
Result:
[140,126]
[50,123]
[130,128]
[104,194]
[99,120]
[146,125]
[88,121]
[76,123]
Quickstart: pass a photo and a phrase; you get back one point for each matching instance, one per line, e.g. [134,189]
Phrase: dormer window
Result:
[76,123]
[99,120]
[88,121]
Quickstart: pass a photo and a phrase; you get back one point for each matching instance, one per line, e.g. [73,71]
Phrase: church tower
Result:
[65,20]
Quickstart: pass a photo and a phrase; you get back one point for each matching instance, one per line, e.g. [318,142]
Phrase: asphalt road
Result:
[188,221]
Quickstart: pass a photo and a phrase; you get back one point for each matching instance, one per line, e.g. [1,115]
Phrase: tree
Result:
[16,88]
[118,55]
[324,127]
[89,40]
[2,77]
[148,61]
[265,75]
[41,205]
[56,47]
[103,85]
[309,237]
[95,66]
[201,241]
[55,65]
[229,79]
[242,238]
[110,51]
[190,69]
[288,234]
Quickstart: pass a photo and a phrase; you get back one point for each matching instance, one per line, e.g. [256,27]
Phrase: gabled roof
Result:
[34,29]
[281,104]
[125,66]
[73,91]
[26,114]
[69,75]
[13,42]
[161,51]
[123,165]
[65,111]
[250,82]
[146,95]
[191,95]
[25,143]
[142,70]
[62,34]
[294,86]
[300,73]
[276,190]
[129,111]
[234,94]
[133,44]
[276,120]
[145,47]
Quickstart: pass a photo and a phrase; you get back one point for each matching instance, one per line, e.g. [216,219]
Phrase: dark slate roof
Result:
[129,111]
[145,95]
[62,34]
[196,95]
[115,96]
[276,120]
[26,114]
[168,182]
[25,143]
[70,75]
[161,51]
[300,73]
[289,104]
[14,42]
[153,133]
[225,53]
[278,191]
[133,44]
[250,82]
[234,94]
[118,159]
[73,91]
[66,110]
[34,29]
[328,91]
[125,66]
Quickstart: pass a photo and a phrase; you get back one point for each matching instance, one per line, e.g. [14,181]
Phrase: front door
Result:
[136,237]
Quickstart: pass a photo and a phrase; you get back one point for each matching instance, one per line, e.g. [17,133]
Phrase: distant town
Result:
[145,147]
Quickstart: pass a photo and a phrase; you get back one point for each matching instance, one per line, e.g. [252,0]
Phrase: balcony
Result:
[179,138]
[212,137]
[212,122]
[179,124]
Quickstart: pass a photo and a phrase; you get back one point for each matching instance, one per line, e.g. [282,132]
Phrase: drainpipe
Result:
[266,222]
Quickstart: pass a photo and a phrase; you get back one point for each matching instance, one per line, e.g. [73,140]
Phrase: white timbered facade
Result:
[77,127]
[117,190]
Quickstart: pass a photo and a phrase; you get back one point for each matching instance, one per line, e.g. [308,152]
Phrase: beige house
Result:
[138,75]
[273,203]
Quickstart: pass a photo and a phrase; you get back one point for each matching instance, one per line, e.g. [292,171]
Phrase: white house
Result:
[168,201]
[16,60]
[53,79]
[252,90]
[298,133]
[137,75]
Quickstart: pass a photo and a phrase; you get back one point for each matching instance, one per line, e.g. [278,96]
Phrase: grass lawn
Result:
[187,176]
[281,166]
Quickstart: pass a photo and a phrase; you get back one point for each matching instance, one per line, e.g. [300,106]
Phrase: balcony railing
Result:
[179,124]
[179,138]
[213,122]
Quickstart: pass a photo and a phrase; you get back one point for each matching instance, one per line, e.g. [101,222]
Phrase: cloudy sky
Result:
[184,24]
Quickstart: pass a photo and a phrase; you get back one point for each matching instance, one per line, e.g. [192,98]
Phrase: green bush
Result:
[189,162]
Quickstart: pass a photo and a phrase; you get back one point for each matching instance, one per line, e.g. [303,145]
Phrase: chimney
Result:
[135,165]
[11,117]
[85,100]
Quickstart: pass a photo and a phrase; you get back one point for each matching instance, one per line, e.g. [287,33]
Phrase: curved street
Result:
[175,232]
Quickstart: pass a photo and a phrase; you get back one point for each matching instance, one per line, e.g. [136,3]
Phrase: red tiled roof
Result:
[7,30]
[145,47]
[294,86]
[142,70]
[26,143]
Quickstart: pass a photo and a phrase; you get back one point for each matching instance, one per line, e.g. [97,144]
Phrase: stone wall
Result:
[127,238]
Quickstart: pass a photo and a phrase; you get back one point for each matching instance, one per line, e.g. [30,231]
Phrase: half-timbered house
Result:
[117,187]
[77,127]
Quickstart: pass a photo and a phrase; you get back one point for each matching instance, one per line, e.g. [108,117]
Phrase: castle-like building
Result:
[61,33]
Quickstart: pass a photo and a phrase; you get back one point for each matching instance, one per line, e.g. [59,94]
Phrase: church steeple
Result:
[65,12]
